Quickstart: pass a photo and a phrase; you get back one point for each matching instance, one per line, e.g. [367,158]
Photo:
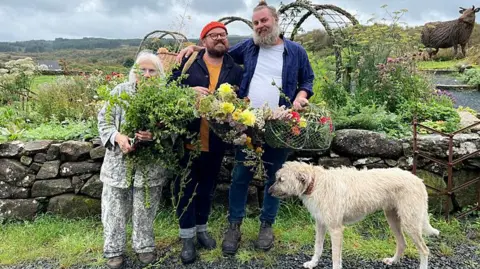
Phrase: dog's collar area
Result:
[309,189]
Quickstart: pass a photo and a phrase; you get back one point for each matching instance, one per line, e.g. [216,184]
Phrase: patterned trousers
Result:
[117,206]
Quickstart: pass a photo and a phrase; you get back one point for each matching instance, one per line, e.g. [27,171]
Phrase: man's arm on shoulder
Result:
[177,72]
[238,50]
[305,74]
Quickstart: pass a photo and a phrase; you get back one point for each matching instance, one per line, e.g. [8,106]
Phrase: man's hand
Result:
[300,101]
[201,90]
[144,136]
[186,52]
[124,142]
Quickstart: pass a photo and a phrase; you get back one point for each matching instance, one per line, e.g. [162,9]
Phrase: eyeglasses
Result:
[214,36]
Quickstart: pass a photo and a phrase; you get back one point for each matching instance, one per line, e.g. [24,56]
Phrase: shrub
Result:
[471,77]
[16,80]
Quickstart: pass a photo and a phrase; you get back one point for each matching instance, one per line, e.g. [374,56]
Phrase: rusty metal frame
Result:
[450,190]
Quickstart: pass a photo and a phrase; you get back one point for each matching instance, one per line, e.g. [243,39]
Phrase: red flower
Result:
[296,130]
[331,126]
[324,120]
[108,77]
[296,116]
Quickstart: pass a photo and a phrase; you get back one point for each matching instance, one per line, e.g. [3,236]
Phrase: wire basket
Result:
[316,135]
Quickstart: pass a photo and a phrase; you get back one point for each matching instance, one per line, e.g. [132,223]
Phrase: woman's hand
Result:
[144,136]
[124,142]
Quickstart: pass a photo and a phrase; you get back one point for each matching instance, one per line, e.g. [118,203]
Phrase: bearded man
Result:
[267,58]
[209,69]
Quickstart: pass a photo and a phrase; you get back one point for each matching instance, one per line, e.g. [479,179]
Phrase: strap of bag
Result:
[189,62]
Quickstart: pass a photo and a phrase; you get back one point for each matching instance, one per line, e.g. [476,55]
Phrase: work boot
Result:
[189,254]
[115,262]
[205,240]
[231,239]
[147,258]
[265,236]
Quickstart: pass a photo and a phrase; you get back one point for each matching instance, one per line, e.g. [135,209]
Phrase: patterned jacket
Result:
[113,170]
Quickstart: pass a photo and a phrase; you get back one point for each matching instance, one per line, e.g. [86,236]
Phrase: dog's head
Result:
[292,179]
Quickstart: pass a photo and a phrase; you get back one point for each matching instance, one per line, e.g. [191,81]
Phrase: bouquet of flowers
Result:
[235,122]
[310,129]
[163,109]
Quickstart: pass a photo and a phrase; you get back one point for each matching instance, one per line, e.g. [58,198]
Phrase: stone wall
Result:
[63,177]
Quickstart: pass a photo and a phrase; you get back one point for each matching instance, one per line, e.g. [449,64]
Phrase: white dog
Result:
[339,196]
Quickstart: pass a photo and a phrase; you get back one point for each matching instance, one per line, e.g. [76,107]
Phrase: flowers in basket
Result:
[309,129]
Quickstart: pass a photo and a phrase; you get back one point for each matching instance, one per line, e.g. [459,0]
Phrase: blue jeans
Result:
[273,159]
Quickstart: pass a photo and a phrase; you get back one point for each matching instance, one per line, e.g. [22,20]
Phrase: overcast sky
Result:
[48,19]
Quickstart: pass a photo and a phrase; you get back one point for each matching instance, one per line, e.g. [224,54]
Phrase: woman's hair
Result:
[146,55]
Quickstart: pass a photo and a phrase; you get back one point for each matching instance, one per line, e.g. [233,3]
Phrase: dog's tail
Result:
[427,228]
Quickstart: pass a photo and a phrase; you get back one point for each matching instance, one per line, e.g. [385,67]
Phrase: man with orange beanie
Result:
[211,67]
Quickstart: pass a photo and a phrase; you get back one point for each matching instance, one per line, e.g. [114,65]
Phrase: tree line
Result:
[86,43]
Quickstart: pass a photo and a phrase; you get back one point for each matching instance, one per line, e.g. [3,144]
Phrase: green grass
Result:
[451,64]
[40,80]
[72,242]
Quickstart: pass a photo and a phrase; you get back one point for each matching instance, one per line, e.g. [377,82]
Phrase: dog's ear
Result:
[304,177]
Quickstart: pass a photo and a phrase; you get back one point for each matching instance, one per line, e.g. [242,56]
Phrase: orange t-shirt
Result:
[214,74]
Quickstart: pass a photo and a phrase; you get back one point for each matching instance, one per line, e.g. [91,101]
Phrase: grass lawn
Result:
[72,242]
[40,80]
[451,64]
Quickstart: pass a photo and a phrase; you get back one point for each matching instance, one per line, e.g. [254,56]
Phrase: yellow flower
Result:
[225,89]
[247,117]
[227,107]
[303,122]
[236,115]
[249,142]
[259,150]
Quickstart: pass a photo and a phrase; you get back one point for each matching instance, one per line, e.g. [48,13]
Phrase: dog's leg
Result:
[320,230]
[421,246]
[394,222]
[336,235]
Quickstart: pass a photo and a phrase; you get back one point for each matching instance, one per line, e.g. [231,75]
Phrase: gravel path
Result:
[464,257]
[470,98]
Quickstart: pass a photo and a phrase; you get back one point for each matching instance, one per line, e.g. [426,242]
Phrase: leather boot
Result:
[115,262]
[206,241]
[231,239]
[147,258]
[265,236]
[188,254]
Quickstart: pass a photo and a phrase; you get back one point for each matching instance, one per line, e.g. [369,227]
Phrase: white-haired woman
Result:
[120,201]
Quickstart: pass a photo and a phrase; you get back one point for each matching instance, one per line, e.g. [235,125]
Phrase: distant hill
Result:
[86,43]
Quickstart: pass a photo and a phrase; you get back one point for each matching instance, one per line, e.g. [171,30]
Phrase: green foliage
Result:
[163,109]
[467,109]
[471,76]
[433,114]
[65,130]
[68,97]
[370,117]
[16,80]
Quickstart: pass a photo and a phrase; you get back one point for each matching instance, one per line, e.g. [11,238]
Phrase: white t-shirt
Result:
[269,68]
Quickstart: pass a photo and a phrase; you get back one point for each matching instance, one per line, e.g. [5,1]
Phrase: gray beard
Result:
[269,40]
